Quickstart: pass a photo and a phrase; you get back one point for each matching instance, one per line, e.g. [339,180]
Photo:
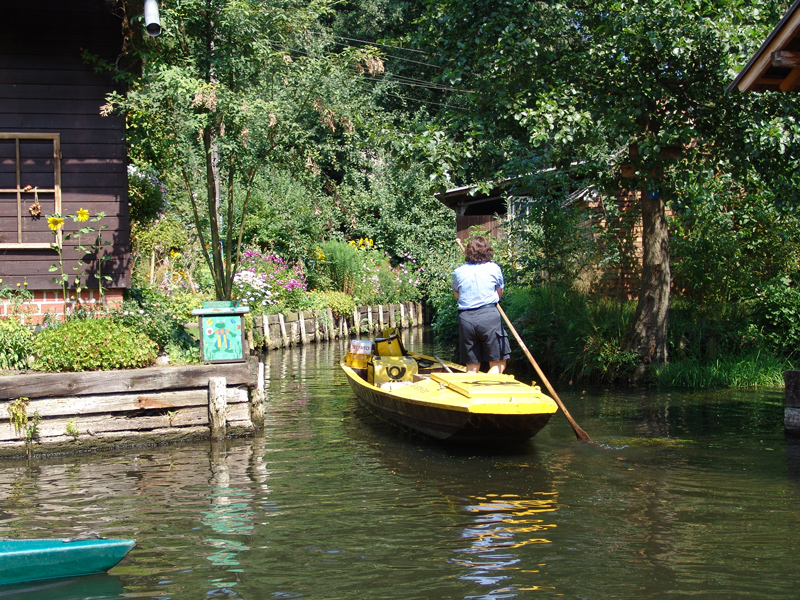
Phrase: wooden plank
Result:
[790,83]
[54,106]
[786,59]
[50,70]
[104,424]
[57,122]
[41,385]
[50,90]
[134,403]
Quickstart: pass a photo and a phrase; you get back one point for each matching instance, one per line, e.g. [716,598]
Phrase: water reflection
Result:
[94,587]
[683,496]
[503,523]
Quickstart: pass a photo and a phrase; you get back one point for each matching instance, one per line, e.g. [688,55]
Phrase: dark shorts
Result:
[481,337]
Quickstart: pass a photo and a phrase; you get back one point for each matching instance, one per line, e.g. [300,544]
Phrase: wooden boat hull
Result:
[26,560]
[443,414]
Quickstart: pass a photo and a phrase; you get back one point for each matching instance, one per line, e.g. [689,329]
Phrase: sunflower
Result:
[83,215]
[55,223]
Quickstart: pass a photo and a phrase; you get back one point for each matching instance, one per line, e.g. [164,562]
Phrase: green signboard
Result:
[221,332]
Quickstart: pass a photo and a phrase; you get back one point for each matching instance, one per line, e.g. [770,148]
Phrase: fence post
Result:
[319,325]
[257,399]
[217,406]
[330,324]
[267,338]
[301,318]
[284,337]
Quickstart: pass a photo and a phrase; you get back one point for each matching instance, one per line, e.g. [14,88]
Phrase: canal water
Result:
[679,495]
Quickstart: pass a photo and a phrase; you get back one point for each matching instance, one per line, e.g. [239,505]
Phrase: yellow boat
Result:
[440,399]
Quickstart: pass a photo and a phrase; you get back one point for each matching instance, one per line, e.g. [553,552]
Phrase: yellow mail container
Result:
[357,361]
[383,369]
[389,346]
[358,354]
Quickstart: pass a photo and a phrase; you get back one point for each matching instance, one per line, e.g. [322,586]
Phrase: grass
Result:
[756,370]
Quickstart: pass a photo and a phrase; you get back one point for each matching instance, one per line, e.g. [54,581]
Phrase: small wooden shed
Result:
[477,209]
[58,153]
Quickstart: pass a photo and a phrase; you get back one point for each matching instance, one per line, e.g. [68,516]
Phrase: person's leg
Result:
[469,346]
[497,366]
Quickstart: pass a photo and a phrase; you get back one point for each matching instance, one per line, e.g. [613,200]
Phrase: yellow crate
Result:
[389,346]
[382,369]
[357,361]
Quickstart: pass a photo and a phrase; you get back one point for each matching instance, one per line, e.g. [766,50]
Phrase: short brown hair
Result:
[479,250]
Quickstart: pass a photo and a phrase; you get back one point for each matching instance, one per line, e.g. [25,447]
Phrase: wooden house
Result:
[776,64]
[477,209]
[491,210]
[59,154]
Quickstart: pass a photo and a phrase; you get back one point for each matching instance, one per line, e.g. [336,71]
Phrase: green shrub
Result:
[92,344]
[341,304]
[778,314]
[146,195]
[340,266]
[16,342]
[153,314]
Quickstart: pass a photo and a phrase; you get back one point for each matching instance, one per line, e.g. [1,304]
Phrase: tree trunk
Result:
[648,332]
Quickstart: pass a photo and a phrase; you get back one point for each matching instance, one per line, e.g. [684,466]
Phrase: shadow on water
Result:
[94,587]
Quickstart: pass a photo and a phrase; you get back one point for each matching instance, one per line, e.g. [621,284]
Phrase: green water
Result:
[680,496]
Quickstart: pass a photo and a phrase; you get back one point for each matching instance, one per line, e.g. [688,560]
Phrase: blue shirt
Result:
[477,284]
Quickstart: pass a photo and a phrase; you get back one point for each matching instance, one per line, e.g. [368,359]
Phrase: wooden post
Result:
[403,315]
[411,318]
[369,319]
[330,324]
[357,321]
[392,320]
[257,399]
[284,337]
[267,338]
[301,318]
[380,318]
[217,406]
[420,319]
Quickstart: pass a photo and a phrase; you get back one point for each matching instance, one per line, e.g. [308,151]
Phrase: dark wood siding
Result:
[47,87]
[486,222]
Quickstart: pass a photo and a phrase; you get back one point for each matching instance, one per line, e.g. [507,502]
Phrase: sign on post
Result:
[222,338]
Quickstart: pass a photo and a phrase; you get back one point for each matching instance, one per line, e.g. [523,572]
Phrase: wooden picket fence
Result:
[304,327]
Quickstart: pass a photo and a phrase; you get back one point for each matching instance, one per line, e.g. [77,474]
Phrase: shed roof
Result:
[776,64]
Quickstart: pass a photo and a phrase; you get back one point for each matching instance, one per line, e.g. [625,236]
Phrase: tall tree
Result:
[633,90]
[231,86]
